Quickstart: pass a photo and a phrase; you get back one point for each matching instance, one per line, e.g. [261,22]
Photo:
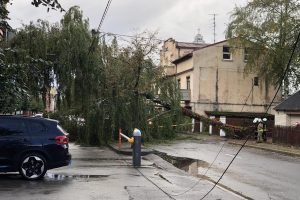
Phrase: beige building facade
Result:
[173,50]
[214,75]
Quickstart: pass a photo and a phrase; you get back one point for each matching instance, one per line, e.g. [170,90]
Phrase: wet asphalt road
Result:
[95,173]
[255,173]
[99,173]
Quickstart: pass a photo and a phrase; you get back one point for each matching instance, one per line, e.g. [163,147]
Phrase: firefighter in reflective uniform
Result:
[260,130]
[264,135]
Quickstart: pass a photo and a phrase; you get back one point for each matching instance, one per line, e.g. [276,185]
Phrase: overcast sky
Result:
[178,19]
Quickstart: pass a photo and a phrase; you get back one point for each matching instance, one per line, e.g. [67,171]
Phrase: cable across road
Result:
[149,180]
[242,146]
[248,136]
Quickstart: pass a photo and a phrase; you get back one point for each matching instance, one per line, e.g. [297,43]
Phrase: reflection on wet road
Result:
[99,173]
[255,173]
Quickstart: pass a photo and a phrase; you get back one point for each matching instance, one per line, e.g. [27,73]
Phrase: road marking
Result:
[232,156]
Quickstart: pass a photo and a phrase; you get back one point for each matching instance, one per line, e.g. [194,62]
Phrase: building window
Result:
[255,81]
[246,54]
[188,83]
[227,53]
[178,83]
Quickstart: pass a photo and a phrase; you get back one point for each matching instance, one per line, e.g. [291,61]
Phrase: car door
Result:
[37,132]
[13,140]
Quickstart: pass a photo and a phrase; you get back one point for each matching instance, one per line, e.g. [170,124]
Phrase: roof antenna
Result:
[214,25]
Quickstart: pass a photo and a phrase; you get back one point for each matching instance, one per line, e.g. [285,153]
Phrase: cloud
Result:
[179,19]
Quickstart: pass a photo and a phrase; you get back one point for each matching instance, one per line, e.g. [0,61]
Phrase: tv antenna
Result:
[214,25]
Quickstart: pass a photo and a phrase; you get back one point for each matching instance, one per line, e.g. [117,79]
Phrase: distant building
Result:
[199,38]
[51,100]
[288,111]
[6,32]
[214,77]
[172,50]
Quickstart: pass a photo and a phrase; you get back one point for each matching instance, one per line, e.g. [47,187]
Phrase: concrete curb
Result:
[268,149]
[129,151]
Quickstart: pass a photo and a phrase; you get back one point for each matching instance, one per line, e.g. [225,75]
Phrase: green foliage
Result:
[12,89]
[268,28]
[99,83]
[3,11]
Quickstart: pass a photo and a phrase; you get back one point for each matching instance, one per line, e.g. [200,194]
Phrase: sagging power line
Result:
[248,135]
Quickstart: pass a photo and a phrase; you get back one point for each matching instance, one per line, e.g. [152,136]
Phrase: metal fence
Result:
[286,135]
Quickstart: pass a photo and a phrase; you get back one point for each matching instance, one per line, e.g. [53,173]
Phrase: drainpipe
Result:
[217,90]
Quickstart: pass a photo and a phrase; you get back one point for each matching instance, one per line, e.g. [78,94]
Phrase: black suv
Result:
[32,146]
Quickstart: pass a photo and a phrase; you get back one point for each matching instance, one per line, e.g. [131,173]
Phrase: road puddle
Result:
[61,177]
[192,166]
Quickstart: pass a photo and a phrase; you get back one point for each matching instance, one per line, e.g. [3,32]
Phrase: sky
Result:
[178,19]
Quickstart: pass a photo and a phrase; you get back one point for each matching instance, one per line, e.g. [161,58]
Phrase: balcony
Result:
[185,94]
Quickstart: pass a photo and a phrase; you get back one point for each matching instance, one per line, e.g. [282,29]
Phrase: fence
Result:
[286,135]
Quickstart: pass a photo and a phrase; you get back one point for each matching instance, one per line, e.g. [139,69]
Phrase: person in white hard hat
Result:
[264,135]
[260,130]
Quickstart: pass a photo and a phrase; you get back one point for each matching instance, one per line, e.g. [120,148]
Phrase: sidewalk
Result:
[268,146]
[291,151]
[126,149]
[163,176]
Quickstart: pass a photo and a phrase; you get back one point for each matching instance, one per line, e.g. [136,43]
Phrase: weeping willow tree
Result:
[269,30]
[15,69]
[99,83]
[129,72]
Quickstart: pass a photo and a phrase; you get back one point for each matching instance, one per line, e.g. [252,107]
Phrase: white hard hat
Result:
[264,119]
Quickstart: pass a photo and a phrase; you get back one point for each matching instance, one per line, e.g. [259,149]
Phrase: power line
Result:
[130,36]
[216,155]
[248,135]
[226,168]
[161,40]
[285,71]
[166,193]
[251,91]
[193,186]
[148,179]
[100,24]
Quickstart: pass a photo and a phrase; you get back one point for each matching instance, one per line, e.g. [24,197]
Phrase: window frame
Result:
[227,53]
[188,83]
[256,81]
[179,83]
[246,54]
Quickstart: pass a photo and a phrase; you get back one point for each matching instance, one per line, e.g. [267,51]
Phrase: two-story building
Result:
[173,50]
[215,77]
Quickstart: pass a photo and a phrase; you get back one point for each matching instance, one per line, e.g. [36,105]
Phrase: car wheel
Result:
[33,166]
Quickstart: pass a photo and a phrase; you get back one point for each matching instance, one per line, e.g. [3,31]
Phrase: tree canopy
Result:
[269,28]
[99,83]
